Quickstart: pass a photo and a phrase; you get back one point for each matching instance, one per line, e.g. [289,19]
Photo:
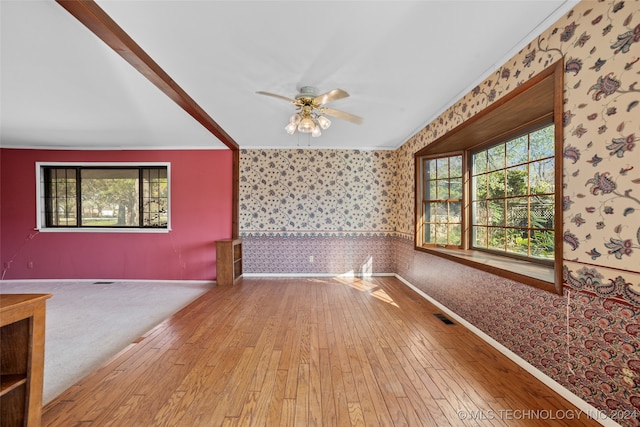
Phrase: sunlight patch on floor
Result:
[356,283]
[366,286]
[384,297]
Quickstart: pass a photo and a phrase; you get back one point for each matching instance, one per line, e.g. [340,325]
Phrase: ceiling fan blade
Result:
[341,115]
[293,101]
[332,95]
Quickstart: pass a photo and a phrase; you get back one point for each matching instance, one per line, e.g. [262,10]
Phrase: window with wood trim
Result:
[104,197]
[490,191]
[442,201]
[512,196]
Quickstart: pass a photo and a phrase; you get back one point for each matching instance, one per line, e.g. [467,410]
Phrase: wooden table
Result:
[22,330]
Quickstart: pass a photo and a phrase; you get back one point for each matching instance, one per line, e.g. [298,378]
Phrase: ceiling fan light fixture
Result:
[306,125]
[310,114]
[295,119]
[291,128]
[324,122]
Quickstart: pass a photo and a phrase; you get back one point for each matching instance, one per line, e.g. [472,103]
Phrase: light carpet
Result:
[88,322]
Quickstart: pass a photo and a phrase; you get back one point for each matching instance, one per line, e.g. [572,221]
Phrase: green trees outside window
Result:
[442,201]
[122,197]
[509,200]
[512,198]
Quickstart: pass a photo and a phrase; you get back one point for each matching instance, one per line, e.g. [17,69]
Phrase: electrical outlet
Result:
[310,258]
[30,264]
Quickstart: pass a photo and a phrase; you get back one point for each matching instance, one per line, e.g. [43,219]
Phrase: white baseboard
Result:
[583,406]
[316,275]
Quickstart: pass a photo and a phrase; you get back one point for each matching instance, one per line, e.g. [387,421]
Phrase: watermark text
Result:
[544,414]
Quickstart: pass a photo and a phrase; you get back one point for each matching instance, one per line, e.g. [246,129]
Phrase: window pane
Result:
[65,200]
[541,177]
[479,185]
[517,181]
[480,237]
[542,212]
[455,189]
[60,197]
[495,157]
[517,151]
[496,184]
[479,162]
[455,214]
[443,189]
[443,167]
[517,212]
[496,238]
[429,233]
[480,216]
[542,244]
[441,212]
[430,169]
[109,197]
[441,234]
[155,197]
[495,211]
[455,164]
[65,210]
[431,190]
[455,234]
[429,212]
[517,241]
[542,143]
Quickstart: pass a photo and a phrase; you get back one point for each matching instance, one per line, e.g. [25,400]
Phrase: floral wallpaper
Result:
[317,192]
[347,254]
[353,207]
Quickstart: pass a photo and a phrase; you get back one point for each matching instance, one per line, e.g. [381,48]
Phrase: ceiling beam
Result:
[101,24]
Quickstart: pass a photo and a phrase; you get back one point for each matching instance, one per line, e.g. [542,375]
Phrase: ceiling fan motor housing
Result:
[307,92]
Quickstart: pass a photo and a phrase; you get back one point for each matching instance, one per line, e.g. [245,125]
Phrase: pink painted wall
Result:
[201,213]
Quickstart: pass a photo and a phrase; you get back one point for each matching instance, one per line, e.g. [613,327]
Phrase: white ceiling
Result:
[403,63]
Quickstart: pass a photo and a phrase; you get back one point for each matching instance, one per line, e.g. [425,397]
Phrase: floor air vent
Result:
[103,283]
[444,319]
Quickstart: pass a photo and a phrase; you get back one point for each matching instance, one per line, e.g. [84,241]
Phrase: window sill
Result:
[102,230]
[529,273]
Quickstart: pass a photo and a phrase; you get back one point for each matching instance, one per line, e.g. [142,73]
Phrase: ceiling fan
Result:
[311,112]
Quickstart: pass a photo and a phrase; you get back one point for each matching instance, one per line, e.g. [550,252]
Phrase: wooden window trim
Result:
[539,98]
[421,192]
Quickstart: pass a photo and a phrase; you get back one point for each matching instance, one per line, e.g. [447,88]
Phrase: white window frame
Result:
[40,191]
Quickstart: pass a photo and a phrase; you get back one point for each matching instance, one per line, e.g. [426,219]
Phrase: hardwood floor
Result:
[303,352]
